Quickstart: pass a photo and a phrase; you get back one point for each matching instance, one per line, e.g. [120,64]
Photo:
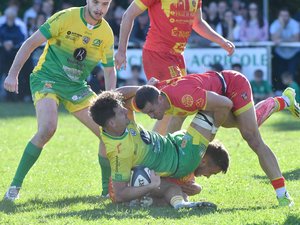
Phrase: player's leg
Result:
[264,109]
[249,130]
[83,116]
[46,112]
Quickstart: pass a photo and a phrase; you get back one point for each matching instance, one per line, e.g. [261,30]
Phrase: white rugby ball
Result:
[140,176]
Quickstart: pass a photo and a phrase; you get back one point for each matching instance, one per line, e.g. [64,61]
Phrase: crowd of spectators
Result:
[236,20]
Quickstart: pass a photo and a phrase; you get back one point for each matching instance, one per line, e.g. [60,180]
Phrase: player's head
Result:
[97,9]
[150,101]
[108,110]
[215,160]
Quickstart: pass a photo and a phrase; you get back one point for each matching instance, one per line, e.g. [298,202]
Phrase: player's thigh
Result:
[83,116]
[246,122]
[46,107]
[162,65]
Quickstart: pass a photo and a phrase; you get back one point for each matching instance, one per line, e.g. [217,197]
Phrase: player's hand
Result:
[120,59]
[155,179]
[152,81]
[11,84]
[191,188]
[229,47]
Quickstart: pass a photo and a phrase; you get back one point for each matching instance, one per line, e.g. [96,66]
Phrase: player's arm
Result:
[110,78]
[219,105]
[125,29]
[128,91]
[201,27]
[125,193]
[11,82]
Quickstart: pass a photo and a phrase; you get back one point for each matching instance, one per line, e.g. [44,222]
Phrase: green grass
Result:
[64,185]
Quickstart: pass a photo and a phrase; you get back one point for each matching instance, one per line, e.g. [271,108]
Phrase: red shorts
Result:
[239,91]
[163,65]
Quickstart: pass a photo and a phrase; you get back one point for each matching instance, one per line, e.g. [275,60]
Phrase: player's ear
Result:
[111,123]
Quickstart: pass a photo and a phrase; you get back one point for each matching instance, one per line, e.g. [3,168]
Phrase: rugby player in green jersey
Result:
[175,155]
[77,40]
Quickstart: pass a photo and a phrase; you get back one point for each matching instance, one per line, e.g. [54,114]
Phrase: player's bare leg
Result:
[248,127]
[46,113]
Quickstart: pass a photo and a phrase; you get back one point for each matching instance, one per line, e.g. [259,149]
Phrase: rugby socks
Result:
[264,110]
[30,155]
[177,201]
[279,186]
[105,172]
[282,102]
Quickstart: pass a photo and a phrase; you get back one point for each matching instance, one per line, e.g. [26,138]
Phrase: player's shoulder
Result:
[105,25]
[65,14]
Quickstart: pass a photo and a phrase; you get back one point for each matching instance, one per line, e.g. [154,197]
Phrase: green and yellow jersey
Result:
[74,47]
[175,155]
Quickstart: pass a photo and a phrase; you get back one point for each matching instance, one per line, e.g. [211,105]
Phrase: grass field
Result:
[64,185]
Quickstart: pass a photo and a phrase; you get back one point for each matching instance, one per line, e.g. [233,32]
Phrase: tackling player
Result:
[176,155]
[188,95]
[171,25]
[77,39]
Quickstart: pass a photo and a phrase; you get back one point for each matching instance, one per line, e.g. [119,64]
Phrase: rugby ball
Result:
[140,176]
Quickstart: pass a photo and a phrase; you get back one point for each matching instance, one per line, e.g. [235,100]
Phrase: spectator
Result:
[136,76]
[96,80]
[261,89]
[255,27]
[228,27]
[212,15]
[32,12]
[237,67]
[39,21]
[284,30]
[236,6]
[18,21]
[222,8]
[48,8]
[11,39]
[140,30]
[116,21]
[216,67]
[288,80]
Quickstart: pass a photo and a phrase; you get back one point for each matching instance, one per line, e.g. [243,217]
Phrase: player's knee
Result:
[46,132]
[252,139]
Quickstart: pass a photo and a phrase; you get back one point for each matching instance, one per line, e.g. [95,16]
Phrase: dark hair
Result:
[260,18]
[103,107]
[219,155]
[144,94]
[286,74]
[236,65]
[258,73]
[136,67]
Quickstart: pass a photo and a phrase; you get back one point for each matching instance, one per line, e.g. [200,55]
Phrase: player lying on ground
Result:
[190,94]
[128,145]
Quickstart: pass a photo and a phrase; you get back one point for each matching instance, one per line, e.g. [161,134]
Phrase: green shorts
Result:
[74,96]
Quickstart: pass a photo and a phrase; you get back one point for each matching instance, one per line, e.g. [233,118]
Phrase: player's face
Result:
[154,110]
[206,169]
[121,120]
[97,9]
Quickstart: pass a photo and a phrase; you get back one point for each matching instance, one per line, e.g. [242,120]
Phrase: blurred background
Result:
[269,58]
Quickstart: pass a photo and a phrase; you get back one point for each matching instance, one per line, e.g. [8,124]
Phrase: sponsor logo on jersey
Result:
[85,39]
[80,54]
[132,131]
[72,35]
[244,95]
[97,42]
[187,100]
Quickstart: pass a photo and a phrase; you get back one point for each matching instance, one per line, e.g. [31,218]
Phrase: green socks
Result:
[105,172]
[30,155]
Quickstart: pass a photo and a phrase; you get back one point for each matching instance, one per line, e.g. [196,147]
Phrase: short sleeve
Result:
[53,26]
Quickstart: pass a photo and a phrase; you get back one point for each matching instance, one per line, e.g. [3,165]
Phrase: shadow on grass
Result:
[285,125]
[100,208]
[290,175]
[230,210]
[292,220]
